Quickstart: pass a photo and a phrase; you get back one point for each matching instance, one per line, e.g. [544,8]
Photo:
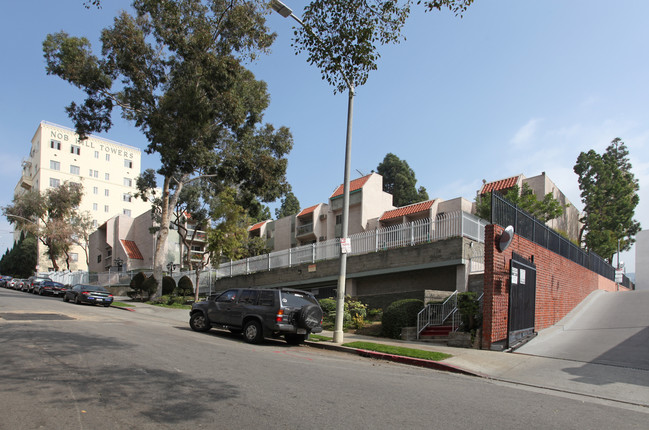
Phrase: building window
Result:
[128,164]
[95,190]
[55,144]
[339,219]
[99,258]
[75,170]
[107,157]
[127,212]
[93,173]
[106,208]
[74,256]
[126,197]
[74,149]
[107,176]
[106,192]
[95,224]
[55,165]
[55,182]
[95,206]
[96,154]
[128,182]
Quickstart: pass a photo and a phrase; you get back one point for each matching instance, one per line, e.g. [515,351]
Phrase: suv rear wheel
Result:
[252,332]
[198,322]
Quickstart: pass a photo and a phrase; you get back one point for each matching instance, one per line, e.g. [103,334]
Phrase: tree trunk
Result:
[168,202]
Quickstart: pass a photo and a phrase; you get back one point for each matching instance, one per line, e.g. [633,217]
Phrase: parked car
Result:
[50,288]
[92,294]
[4,279]
[11,283]
[259,313]
[34,281]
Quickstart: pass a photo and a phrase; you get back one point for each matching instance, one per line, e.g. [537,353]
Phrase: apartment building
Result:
[106,169]
[369,208]
[129,243]
[541,185]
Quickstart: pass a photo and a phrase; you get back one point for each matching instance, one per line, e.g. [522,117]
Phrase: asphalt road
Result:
[66,366]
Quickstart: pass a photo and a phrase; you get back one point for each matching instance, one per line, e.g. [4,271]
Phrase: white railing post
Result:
[313,253]
[268,255]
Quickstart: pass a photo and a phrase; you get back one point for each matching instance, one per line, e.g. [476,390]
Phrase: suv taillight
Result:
[280,315]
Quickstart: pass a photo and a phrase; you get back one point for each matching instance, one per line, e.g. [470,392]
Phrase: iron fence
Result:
[505,213]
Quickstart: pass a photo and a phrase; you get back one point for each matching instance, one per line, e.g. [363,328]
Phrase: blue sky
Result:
[513,87]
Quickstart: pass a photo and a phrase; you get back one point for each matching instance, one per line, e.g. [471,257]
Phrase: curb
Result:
[437,365]
[122,308]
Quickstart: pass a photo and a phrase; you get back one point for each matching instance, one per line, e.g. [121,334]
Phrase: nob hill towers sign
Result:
[92,142]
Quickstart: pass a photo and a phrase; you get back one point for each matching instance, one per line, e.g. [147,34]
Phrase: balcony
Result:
[26,183]
[200,236]
[304,230]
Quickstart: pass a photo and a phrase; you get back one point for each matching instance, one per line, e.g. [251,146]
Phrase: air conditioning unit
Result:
[323,217]
[322,238]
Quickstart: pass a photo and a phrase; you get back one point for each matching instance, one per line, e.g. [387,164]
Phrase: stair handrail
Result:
[436,313]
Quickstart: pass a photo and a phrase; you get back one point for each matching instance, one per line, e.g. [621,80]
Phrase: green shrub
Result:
[375,314]
[185,286]
[149,286]
[402,313]
[168,285]
[469,308]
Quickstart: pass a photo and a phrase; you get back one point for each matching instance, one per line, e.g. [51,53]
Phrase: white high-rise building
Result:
[106,169]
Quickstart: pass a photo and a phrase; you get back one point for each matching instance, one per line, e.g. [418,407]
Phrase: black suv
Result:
[260,313]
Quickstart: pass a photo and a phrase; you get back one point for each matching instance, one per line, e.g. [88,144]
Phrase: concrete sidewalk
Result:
[612,383]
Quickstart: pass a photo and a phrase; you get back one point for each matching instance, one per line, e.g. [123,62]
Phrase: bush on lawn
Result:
[402,313]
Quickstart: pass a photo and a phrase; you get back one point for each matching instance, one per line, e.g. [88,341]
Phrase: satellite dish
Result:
[506,238]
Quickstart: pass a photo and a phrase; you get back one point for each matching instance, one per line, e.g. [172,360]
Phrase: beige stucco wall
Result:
[568,222]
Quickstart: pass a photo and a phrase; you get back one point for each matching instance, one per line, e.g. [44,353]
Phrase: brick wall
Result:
[561,285]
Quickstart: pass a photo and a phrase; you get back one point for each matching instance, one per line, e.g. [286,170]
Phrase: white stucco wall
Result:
[642,261]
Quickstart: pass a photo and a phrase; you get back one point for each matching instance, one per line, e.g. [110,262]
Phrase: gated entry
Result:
[522,299]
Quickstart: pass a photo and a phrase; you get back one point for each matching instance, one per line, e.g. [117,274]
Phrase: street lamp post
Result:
[286,12]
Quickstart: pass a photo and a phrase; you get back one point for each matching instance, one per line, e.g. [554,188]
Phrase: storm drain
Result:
[34,317]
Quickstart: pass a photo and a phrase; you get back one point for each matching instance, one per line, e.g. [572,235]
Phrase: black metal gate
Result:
[522,299]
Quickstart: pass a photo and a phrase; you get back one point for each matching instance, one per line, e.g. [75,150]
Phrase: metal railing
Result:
[438,313]
[454,224]
[525,225]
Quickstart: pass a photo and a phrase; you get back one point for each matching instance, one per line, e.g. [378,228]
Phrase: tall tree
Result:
[609,192]
[290,206]
[176,70]
[544,209]
[20,261]
[46,215]
[399,180]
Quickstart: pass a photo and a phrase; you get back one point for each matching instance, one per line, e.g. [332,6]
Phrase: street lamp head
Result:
[281,8]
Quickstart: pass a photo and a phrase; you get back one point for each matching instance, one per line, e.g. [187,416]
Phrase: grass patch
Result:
[398,350]
[172,306]
[123,305]
[319,338]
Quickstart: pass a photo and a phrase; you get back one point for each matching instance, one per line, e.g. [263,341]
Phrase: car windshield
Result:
[294,298]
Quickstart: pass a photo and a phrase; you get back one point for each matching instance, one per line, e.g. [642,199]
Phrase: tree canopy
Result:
[290,206]
[399,180]
[20,261]
[609,192]
[47,216]
[176,69]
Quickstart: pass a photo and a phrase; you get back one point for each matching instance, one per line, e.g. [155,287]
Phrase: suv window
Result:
[266,298]
[248,297]
[228,296]
[296,299]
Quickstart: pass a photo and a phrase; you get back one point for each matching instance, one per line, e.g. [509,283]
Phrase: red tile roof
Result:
[307,210]
[132,251]
[257,226]
[502,184]
[407,210]
[354,185]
